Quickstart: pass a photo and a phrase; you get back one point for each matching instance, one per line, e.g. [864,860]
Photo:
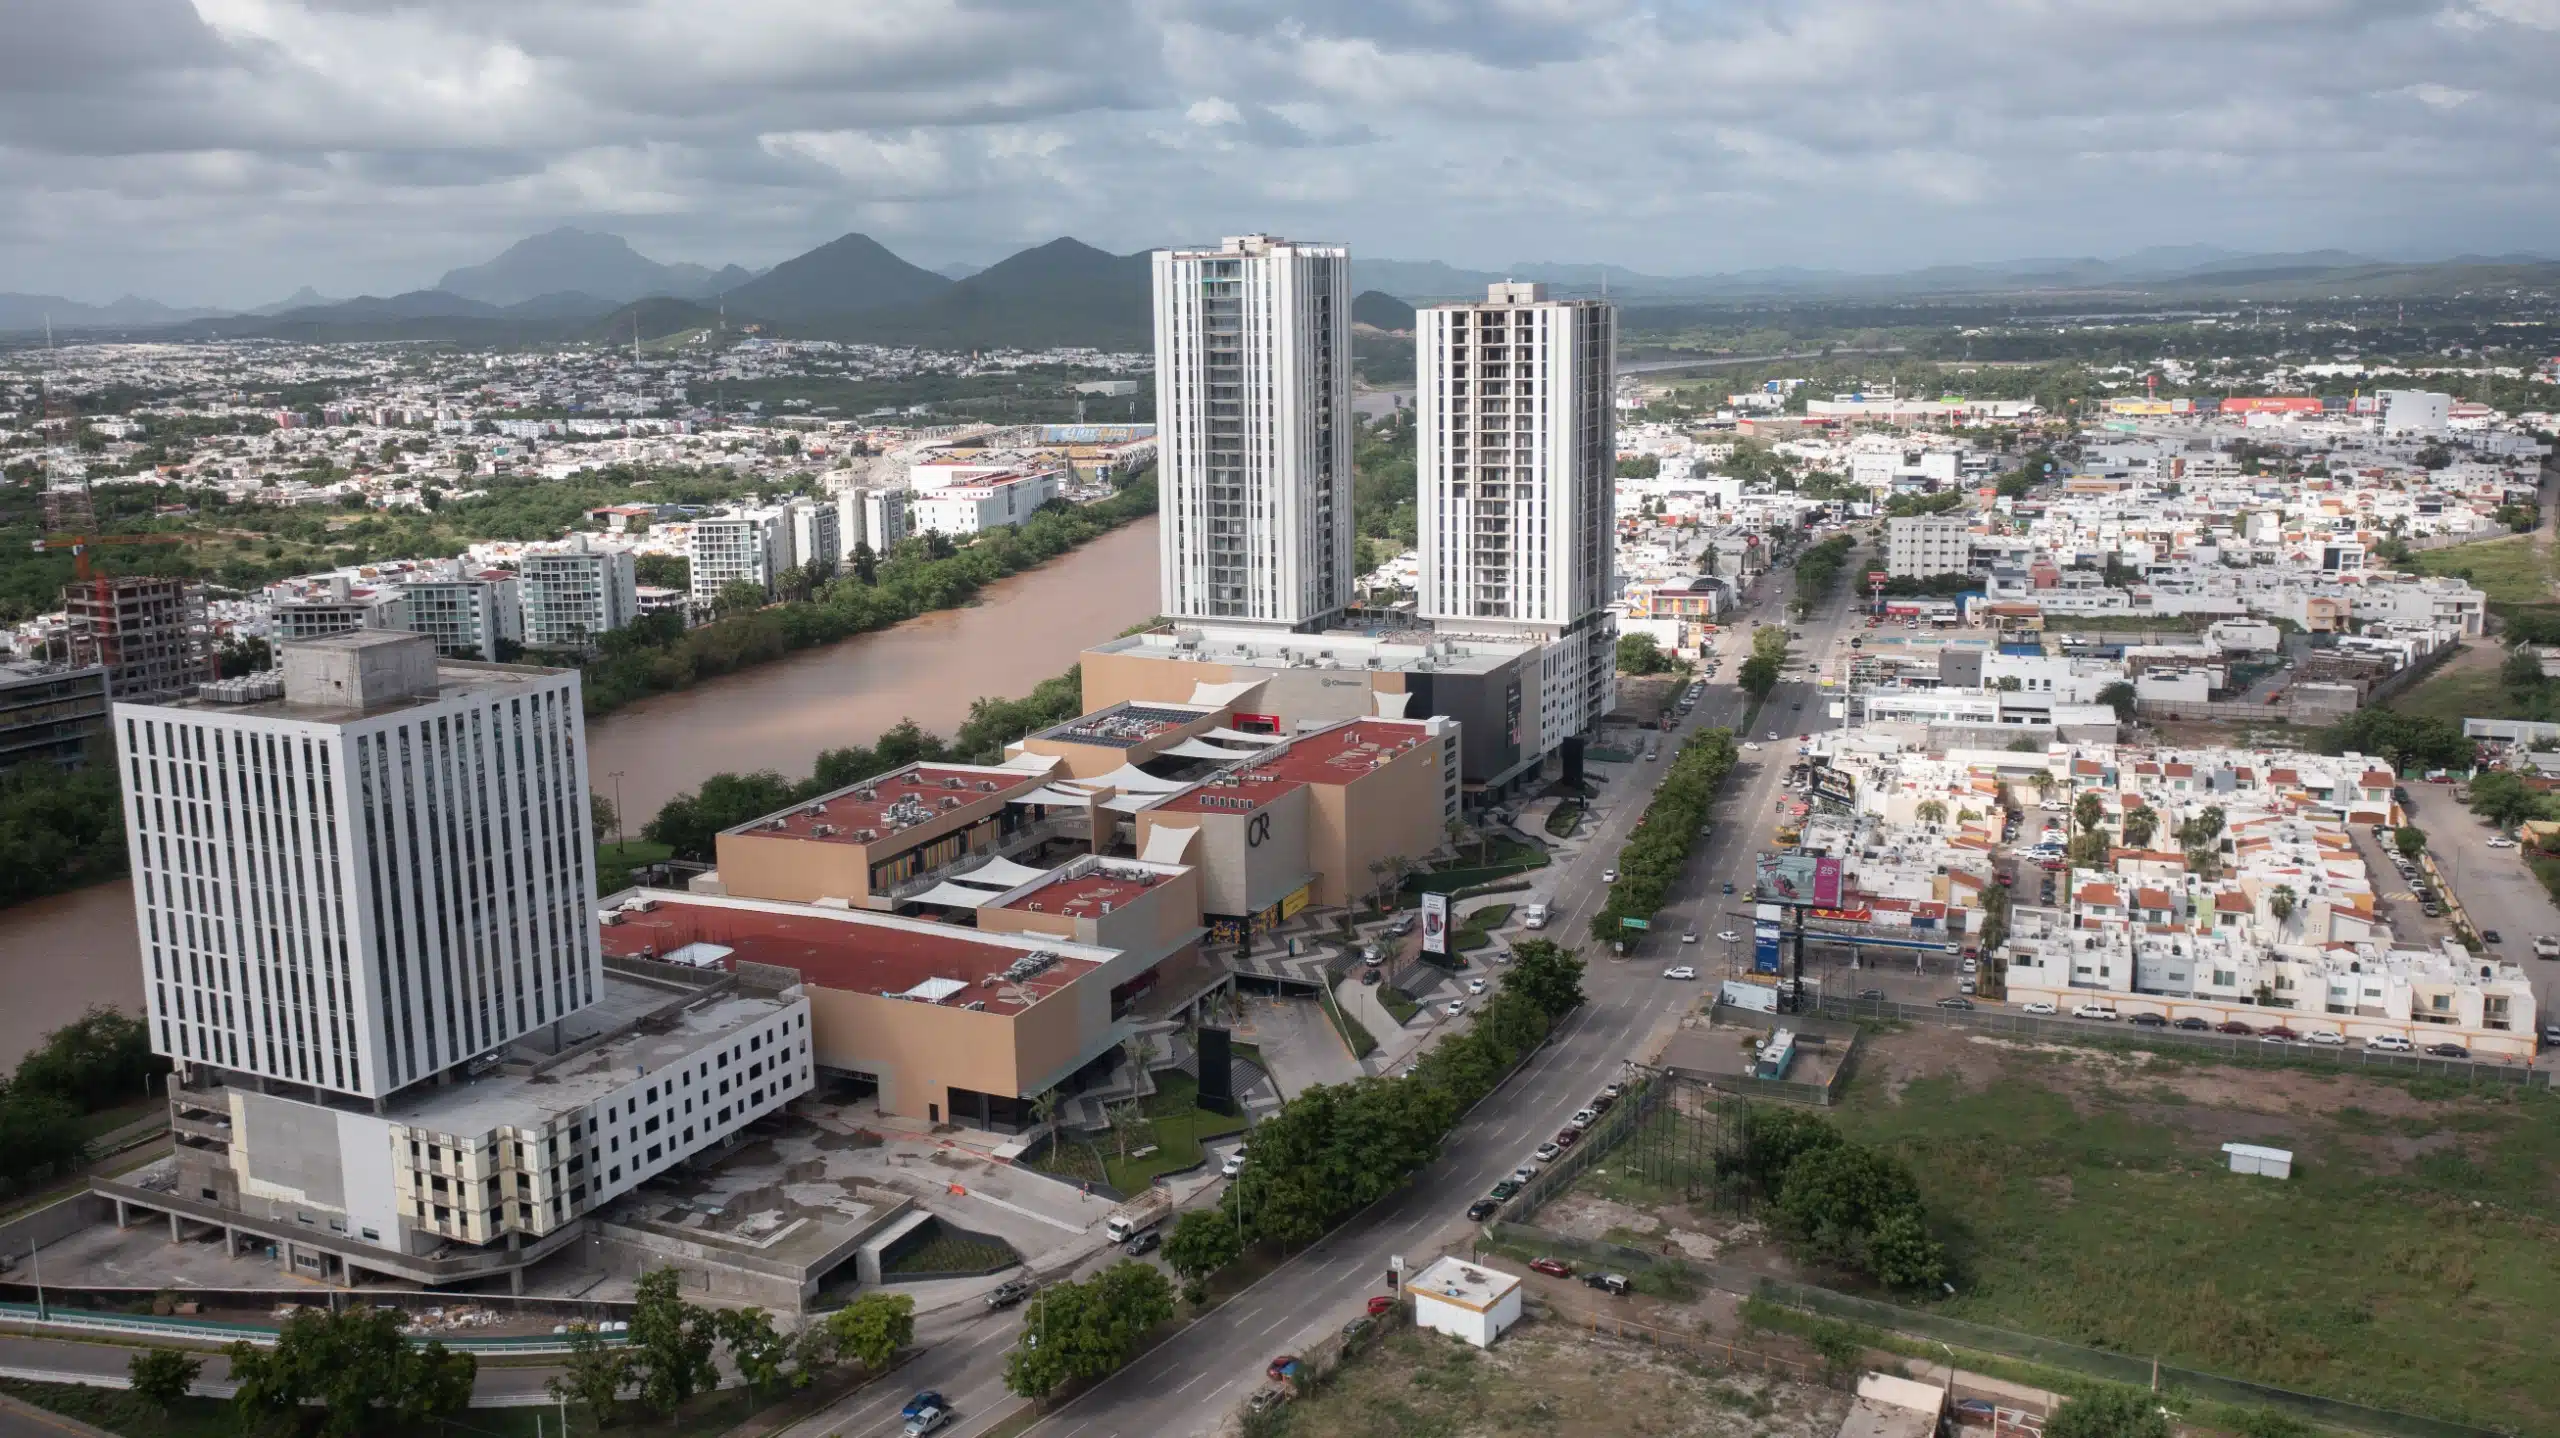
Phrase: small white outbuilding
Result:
[2265,1162]
[1465,1300]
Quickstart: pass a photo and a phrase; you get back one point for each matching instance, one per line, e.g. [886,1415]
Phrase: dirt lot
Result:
[1549,1378]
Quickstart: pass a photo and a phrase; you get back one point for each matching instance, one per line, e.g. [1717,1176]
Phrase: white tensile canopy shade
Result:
[1131,779]
[1000,873]
[958,896]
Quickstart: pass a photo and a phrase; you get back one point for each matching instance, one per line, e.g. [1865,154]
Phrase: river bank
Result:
[64,952]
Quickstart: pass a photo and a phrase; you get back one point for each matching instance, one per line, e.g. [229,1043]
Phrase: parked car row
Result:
[2276,1033]
[1546,1153]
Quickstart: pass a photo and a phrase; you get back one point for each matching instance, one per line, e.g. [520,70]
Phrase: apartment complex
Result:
[50,713]
[466,616]
[1517,449]
[747,546]
[817,533]
[997,500]
[1253,405]
[1928,545]
[574,595]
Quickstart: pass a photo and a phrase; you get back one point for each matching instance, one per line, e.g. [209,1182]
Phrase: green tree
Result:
[2521,672]
[595,1372]
[873,1328]
[739,596]
[1758,676]
[1547,974]
[2110,1413]
[2140,823]
[2281,901]
[2406,741]
[1088,1329]
[1931,811]
[2087,811]
[1773,1140]
[2410,840]
[755,1349]
[1834,1196]
[2119,697]
[1200,1244]
[163,1376]
[671,1344]
[1640,654]
[601,818]
[354,1365]
[2504,799]
[1902,1255]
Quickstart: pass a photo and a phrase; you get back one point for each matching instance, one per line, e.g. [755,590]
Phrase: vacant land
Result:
[1554,1380]
[2467,687]
[2515,571]
[2411,1261]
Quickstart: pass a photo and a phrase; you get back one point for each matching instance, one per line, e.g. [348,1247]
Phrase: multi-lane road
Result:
[1194,1380]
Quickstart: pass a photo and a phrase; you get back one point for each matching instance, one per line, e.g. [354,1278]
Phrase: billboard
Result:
[1435,924]
[1799,879]
[2272,404]
[1095,433]
[1764,947]
[1759,998]
[1838,785]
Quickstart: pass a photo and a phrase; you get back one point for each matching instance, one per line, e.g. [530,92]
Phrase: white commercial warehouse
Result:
[1465,1300]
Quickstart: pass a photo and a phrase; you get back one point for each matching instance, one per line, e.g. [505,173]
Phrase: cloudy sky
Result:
[227,151]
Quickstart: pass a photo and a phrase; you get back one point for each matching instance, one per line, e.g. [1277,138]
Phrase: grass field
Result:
[1175,1126]
[1551,1380]
[1476,929]
[2410,1262]
[2466,688]
[2511,570]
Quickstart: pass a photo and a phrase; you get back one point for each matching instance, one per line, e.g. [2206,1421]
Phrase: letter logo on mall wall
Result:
[1257,829]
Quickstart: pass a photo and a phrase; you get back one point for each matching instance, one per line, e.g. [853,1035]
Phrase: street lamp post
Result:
[616,777]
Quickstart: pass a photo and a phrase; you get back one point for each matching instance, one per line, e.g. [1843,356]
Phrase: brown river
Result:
[60,955]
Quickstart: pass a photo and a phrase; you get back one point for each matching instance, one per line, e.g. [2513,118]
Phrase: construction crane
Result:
[79,545]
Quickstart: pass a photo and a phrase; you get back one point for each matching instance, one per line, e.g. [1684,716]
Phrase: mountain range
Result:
[570,283]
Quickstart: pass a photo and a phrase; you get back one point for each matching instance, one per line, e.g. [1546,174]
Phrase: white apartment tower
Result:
[1253,414]
[1517,451]
[365,873]
[575,596]
[753,545]
[817,534]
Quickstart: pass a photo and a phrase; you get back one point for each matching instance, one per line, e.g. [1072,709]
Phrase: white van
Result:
[1535,917]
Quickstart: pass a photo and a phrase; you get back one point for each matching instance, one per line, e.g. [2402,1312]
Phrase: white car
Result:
[1475,986]
[1524,1173]
[1455,1007]
[1751,744]
[1680,971]
[1608,876]
[2038,1006]
[1688,936]
[2325,1038]
[927,1421]
[1546,1152]
[2093,1011]
[1233,1166]
[2389,1044]
[2502,842]
[1728,936]
[1773,736]
[1585,1118]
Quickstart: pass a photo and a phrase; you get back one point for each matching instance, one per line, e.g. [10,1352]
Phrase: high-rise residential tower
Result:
[1253,414]
[1517,454]
[365,871]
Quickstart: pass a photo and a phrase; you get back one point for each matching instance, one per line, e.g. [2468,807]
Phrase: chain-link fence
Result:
[2237,1048]
[2114,1367]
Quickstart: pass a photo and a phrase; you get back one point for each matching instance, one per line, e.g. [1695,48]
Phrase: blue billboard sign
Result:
[1764,948]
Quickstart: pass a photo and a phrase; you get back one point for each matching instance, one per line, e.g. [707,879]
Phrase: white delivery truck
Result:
[1139,1214]
[1534,917]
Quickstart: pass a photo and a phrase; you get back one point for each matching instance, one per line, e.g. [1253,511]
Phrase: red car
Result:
[2281,1032]
[2233,1026]
[1568,1137]
[1551,1267]
[1380,1303]
[1282,1368]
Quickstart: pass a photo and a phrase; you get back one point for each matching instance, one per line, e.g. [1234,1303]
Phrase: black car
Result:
[2194,1025]
[2148,1021]
[1145,1243]
[1482,1209]
[2490,936]
[1955,1003]
[1870,993]
[2449,1051]
[1614,1284]
[1009,1293]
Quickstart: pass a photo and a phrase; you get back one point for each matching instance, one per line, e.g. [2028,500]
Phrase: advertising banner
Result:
[1836,784]
[1799,879]
[1435,924]
[1759,998]
[1764,948]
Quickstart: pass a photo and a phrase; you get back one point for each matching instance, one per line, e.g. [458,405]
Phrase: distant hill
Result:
[304,298]
[957,270]
[852,275]
[1065,292]
[33,312]
[570,260]
[656,318]
[1380,310]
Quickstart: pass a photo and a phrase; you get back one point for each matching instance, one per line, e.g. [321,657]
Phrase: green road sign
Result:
[1635,923]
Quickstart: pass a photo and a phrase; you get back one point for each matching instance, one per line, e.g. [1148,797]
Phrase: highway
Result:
[1195,1379]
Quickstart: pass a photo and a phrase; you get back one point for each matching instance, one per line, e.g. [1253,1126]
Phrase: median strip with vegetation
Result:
[1659,848]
